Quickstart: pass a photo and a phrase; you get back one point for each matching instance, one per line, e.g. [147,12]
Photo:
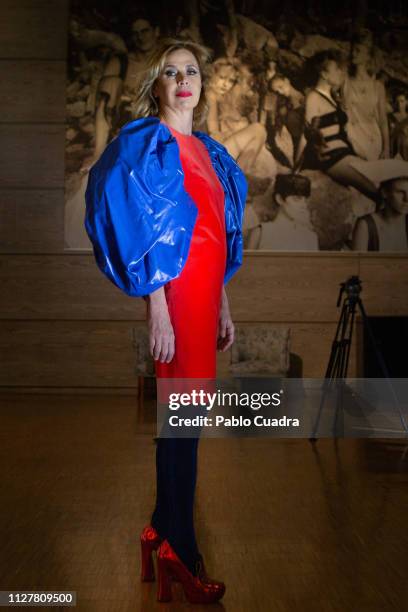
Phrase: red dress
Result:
[194,297]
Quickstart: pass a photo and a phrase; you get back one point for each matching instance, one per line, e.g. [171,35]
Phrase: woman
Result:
[290,110]
[365,102]
[399,127]
[280,84]
[327,146]
[222,80]
[230,89]
[164,213]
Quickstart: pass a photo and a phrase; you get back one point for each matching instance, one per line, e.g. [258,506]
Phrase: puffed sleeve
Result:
[138,222]
[235,188]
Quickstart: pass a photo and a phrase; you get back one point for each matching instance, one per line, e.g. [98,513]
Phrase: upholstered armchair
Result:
[260,351]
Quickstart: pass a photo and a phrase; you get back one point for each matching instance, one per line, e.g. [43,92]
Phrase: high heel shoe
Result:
[149,541]
[195,589]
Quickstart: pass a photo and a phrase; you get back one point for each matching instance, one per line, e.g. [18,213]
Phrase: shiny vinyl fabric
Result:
[140,218]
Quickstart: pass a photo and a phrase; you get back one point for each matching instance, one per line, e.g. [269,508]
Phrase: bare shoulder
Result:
[112,67]
[313,99]
[313,105]
[312,95]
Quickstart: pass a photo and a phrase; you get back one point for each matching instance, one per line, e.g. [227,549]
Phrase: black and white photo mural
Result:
[311,101]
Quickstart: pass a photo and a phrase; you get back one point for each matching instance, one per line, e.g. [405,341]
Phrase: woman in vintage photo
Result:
[365,102]
[164,213]
[399,126]
[325,145]
[230,88]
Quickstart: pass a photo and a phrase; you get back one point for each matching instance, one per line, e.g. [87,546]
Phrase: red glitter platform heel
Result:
[197,589]
[149,541]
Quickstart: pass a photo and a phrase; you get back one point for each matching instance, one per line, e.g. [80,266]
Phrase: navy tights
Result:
[173,516]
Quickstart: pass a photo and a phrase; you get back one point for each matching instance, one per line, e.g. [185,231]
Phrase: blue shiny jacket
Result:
[139,217]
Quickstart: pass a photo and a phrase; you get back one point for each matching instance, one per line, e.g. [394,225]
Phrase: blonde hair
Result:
[145,104]
[225,62]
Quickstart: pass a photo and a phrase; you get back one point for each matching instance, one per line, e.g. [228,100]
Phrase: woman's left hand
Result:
[225,325]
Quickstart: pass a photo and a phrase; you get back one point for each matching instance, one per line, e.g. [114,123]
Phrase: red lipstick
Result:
[184,94]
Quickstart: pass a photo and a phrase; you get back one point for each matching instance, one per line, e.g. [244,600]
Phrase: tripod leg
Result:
[344,356]
[340,366]
[336,344]
[336,360]
[337,425]
[347,342]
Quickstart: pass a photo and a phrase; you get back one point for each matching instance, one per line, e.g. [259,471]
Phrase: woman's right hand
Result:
[161,334]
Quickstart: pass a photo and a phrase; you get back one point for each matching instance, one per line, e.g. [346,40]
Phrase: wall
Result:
[63,325]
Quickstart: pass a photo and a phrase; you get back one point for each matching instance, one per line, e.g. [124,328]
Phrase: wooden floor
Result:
[289,528]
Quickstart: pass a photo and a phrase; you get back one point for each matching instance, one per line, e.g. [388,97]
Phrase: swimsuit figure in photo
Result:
[290,111]
[268,99]
[325,145]
[294,118]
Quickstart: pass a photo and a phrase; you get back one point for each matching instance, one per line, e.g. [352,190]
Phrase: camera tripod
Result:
[340,352]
